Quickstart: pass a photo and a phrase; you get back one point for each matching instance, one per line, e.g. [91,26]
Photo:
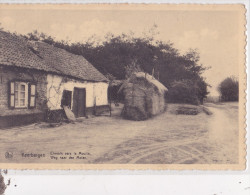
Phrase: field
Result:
[167,138]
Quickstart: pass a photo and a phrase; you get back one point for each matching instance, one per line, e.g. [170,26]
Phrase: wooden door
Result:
[79,102]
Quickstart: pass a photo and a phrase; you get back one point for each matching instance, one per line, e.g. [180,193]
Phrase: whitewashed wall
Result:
[55,87]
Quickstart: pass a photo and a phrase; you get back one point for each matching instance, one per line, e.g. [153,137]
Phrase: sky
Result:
[214,33]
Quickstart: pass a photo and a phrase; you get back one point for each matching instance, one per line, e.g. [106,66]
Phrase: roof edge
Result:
[54,73]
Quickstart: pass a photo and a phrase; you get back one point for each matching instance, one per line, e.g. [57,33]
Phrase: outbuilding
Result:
[36,77]
[144,97]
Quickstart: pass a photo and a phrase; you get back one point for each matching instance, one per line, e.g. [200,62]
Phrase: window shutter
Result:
[32,96]
[12,95]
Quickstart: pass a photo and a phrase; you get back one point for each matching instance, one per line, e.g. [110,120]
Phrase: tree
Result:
[202,89]
[229,89]
[122,54]
[132,68]
[184,91]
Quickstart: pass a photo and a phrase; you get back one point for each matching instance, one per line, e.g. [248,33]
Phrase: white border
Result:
[123,181]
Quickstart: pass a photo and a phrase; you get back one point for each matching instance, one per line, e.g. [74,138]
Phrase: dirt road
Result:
[167,138]
[216,141]
[224,130]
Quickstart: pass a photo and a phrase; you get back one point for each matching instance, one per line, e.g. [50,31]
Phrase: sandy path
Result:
[223,132]
[221,127]
[167,138]
[213,142]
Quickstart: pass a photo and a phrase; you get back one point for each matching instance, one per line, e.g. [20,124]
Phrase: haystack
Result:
[144,97]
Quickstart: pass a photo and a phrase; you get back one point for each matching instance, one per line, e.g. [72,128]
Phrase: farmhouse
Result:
[144,97]
[36,77]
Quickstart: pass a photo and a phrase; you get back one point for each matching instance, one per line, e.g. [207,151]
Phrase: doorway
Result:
[66,98]
[79,102]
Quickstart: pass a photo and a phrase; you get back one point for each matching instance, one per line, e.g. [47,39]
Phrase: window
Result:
[22,95]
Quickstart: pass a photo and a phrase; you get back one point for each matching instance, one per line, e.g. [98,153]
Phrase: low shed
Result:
[144,97]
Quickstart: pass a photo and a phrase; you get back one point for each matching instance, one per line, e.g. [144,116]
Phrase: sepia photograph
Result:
[122,86]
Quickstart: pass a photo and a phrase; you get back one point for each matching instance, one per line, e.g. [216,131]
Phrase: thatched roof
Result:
[149,78]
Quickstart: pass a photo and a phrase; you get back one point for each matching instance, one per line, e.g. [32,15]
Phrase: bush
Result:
[229,89]
[183,92]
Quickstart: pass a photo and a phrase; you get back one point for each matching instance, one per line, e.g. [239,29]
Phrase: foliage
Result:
[229,89]
[202,89]
[184,91]
[188,91]
[110,77]
[132,68]
[122,54]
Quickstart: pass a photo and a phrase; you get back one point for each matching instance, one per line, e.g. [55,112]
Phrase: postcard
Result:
[123,86]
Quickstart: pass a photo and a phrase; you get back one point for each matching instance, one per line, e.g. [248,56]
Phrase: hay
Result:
[161,88]
[187,111]
[144,97]
[192,110]
[134,113]
[149,78]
